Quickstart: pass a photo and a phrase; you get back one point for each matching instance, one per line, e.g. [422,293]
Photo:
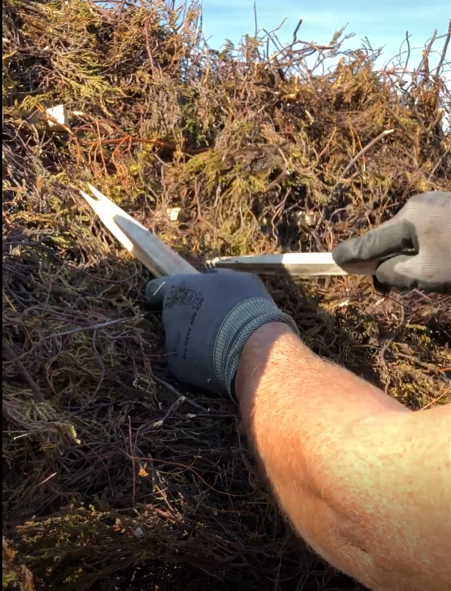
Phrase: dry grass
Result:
[113,480]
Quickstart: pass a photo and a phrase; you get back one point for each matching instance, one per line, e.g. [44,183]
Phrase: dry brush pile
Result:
[114,476]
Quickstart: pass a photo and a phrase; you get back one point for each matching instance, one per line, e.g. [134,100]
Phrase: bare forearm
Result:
[315,428]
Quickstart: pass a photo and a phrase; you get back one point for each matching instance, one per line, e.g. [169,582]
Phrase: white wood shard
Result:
[58,118]
[157,256]
[173,213]
[302,264]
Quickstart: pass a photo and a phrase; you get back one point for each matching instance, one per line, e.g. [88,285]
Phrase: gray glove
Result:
[208,318]
[423,228]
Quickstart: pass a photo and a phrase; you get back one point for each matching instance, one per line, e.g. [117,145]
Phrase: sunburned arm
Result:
[364,481]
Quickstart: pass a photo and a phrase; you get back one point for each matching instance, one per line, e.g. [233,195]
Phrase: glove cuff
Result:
[236,330]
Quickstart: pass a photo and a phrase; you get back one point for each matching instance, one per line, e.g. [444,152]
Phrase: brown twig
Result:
[69,332]
[38,396]
[437,165]
[444,50]
[364,150]
[132,458]
[174,406]
[432,402]
[191,403]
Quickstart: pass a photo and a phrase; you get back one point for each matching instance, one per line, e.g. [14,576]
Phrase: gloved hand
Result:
[208,318]
[424,226]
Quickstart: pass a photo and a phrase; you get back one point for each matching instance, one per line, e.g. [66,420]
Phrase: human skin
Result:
[365,481]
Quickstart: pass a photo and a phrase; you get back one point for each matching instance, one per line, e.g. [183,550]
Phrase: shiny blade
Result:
[157,256]
[303,264]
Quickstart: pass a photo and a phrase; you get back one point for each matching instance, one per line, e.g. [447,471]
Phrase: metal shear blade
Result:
[157,256]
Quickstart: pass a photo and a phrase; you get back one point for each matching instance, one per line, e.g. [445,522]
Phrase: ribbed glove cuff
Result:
[236,330]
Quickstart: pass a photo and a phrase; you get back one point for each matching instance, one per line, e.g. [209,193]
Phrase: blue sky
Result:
[384,22]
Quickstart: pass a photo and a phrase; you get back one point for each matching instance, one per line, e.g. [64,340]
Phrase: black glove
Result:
[208,318]
[422,227]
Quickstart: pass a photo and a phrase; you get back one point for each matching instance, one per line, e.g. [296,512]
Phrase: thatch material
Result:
[112,478]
